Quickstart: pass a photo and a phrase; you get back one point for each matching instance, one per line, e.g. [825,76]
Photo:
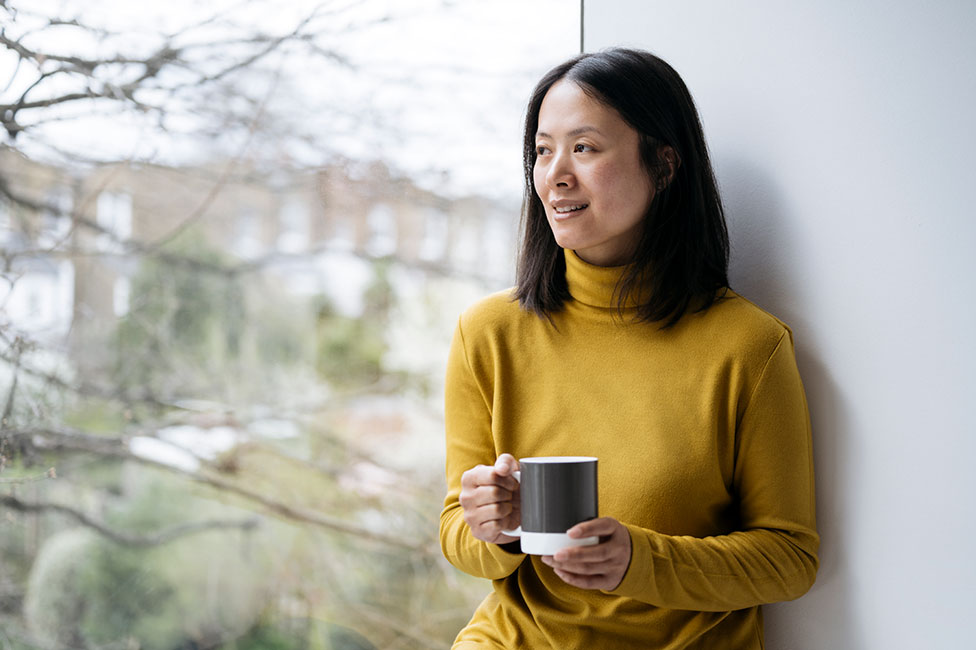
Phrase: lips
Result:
[566,207]
[569,208]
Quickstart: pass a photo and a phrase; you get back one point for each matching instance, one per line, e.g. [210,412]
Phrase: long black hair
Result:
[683,252]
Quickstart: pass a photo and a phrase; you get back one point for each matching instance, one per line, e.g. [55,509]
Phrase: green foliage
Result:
[96,417]
[282,331]
[35,399]
[52,606]
[88,592]
[125,597]
[301,634]
[350,349]
[184,322]
[85,592]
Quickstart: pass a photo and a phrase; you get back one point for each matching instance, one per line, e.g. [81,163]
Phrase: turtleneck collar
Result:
[594,285]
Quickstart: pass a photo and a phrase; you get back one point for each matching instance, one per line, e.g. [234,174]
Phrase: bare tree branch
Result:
[23,480]
[82,65]
[8,409]
[135,247]
[123,538]
[52,439]
[413,632]
[221,181]
[192,334]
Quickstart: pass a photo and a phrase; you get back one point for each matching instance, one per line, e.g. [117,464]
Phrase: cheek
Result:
[609,183]
[626,189]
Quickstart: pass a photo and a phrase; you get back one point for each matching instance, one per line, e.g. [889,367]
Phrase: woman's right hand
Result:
[490,499]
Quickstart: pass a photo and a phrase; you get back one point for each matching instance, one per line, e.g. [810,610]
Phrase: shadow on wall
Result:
[763,270]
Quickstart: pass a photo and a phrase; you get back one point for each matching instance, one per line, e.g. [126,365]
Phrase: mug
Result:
[557,492]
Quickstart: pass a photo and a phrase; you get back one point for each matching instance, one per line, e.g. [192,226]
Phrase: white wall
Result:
[844,138]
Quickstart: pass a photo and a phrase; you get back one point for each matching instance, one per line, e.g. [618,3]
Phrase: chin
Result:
[566,240]
[568,244]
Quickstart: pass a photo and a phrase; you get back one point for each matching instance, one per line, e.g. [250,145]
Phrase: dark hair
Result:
[683,252]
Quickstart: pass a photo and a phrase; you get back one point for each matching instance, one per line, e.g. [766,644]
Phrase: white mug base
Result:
[549,543]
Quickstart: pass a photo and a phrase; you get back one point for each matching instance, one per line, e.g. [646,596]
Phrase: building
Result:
[72,241]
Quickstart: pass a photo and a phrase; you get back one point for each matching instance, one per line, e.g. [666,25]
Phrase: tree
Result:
[131,459]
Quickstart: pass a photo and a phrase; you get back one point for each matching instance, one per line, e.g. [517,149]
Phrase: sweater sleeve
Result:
[773,557]
[469,443]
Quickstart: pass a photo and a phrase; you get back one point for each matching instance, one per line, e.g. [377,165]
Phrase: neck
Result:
[597,286]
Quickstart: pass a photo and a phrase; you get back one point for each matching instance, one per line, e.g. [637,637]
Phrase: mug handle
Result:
[518,531]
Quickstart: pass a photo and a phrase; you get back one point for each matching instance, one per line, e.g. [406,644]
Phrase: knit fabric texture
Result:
[704,445]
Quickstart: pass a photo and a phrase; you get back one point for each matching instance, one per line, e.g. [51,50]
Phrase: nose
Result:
[560,172]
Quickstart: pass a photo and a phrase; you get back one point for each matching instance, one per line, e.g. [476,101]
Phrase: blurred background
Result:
[235,237]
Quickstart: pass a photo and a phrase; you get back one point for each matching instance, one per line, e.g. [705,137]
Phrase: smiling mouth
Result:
[571,208]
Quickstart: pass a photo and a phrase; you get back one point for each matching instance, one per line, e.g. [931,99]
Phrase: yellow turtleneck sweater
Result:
[705,456]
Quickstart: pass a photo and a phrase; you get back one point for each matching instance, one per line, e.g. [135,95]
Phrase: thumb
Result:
[506,464]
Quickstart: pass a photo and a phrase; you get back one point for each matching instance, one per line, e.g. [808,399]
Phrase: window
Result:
[6,221]
[293,220]
[121,290]
[247,234]
[35,300]
[434,243]
[500,244]
[268,271]
[466,249]
[382,225]
[56,217]
[114,216]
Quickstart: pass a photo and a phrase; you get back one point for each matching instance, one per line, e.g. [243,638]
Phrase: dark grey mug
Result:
[557,492]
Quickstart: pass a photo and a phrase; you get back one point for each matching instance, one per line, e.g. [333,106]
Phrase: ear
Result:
[668,165]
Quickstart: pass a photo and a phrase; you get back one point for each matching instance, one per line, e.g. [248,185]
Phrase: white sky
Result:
[438,90]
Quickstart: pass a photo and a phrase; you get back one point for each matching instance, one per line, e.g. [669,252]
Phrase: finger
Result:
[486,475]
[505,515]
[596,553]
[474,476]
[587,568]
[506,464]
[489,494]
[584,581]
[494,512]
[594,528]
[507,482]
[491,530]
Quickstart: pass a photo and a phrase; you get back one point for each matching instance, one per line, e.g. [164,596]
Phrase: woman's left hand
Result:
[601,566]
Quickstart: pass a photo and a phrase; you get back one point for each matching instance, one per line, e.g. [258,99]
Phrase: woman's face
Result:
[589,176]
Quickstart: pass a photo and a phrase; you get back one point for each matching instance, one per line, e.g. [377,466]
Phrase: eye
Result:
[581,148]
[541,150]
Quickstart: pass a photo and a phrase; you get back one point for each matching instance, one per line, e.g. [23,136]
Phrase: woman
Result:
[623,341]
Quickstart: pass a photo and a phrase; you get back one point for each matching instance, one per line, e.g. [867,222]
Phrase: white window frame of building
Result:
[382,224]
[34,299]
[56,217]
[343,236]
[114,215]
[39,302]
[433,246]
[121,296]
[6,221]
[247,238]
[498,250]
[466,251]
[293,218]
[65,299]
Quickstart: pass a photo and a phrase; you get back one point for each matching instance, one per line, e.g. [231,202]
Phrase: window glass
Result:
[114,214]
[223,389]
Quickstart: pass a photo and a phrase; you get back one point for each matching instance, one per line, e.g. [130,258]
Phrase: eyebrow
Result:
[575,132]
